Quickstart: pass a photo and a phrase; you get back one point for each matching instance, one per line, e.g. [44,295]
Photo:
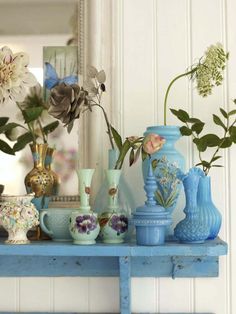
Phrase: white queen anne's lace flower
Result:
[14,76]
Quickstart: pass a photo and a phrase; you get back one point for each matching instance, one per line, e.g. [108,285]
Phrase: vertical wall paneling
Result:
[230,7]
[173,59]
[71,294]
[204,33]
[32,292]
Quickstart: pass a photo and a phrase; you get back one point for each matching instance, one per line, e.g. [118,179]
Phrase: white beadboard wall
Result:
[142,45]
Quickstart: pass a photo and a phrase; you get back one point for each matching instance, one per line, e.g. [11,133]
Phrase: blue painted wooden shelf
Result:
[48,258]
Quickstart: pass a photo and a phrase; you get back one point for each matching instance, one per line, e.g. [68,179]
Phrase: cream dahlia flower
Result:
[14,76]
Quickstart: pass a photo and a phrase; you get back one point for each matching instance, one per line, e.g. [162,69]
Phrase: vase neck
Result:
[191,188]
[85,178]
[113,155]
[48,158]
[113,178]
[39,154]
[204,190]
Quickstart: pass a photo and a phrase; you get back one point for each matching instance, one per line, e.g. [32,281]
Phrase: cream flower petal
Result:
[29,79]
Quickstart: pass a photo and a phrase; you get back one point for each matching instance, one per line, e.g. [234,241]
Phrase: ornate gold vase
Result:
[39,180]
[47,164]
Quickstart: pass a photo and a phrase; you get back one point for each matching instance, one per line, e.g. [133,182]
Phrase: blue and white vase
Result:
[207,210]
[192,229]
[83,223]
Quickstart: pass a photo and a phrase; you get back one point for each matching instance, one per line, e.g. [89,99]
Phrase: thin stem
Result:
[41,129]
[168,89]
[107,123]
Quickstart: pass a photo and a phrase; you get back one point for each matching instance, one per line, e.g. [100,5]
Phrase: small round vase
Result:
[207,210]
[84,227]
[17,216]
[113,220]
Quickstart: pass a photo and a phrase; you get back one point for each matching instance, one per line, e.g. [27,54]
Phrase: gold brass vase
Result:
[47,164]
[39,180]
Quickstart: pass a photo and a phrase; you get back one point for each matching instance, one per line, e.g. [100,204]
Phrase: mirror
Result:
[28,26]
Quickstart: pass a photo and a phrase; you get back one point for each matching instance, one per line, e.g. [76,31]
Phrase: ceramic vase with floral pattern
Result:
[113,220]
[84,227]
[17,216]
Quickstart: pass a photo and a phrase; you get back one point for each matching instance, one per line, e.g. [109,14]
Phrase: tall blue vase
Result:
[207,210]
[170,164]
[192,229]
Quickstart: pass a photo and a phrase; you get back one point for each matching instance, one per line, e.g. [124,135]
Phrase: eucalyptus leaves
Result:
[194,127]
[207,72]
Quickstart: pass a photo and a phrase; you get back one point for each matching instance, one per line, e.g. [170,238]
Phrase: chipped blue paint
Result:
[125,274]
[124,260]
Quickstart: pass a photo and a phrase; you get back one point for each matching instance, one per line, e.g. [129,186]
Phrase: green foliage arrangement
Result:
[32,110]
[194,127]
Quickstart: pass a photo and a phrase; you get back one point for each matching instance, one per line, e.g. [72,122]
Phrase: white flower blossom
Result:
[14,76]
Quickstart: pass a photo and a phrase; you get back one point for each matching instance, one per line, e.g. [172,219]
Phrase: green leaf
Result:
[181,115]
[144,155]
[201,144]
[194,120]
[234,101]
[232,132]
[197,127]
[22,141]
[137,153]
[154,163]
[124,150]
[210,140]
[131,157]
[232,112]
[185,131]
[117,138]
[224,113]
[218,121]
[4,147]
[3,121]
[9,127]
[50,127]
[216,158]
[227,142]
[70,126]
[206,164]
[219,166]
[31,114]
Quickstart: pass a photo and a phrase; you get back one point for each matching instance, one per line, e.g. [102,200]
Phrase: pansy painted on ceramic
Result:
[85,223]
[114,227]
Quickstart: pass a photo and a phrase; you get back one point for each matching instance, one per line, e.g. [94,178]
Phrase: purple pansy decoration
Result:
[85,223]
[119,223]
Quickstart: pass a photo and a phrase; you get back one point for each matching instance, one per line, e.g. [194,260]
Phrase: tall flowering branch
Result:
[207,73]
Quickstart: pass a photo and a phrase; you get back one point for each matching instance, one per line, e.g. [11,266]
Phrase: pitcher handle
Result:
[44,213]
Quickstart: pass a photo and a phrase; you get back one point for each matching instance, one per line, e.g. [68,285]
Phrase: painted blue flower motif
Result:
[85,223]
[36,156]
[169,178]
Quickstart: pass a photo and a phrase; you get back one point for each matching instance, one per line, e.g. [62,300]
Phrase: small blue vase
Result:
[192,229]
[207,210]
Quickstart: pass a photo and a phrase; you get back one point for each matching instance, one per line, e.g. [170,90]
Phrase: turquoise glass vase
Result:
[207,210]
[192,229]
[169,167]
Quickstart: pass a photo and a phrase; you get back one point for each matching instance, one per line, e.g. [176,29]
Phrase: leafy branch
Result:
[194,127]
